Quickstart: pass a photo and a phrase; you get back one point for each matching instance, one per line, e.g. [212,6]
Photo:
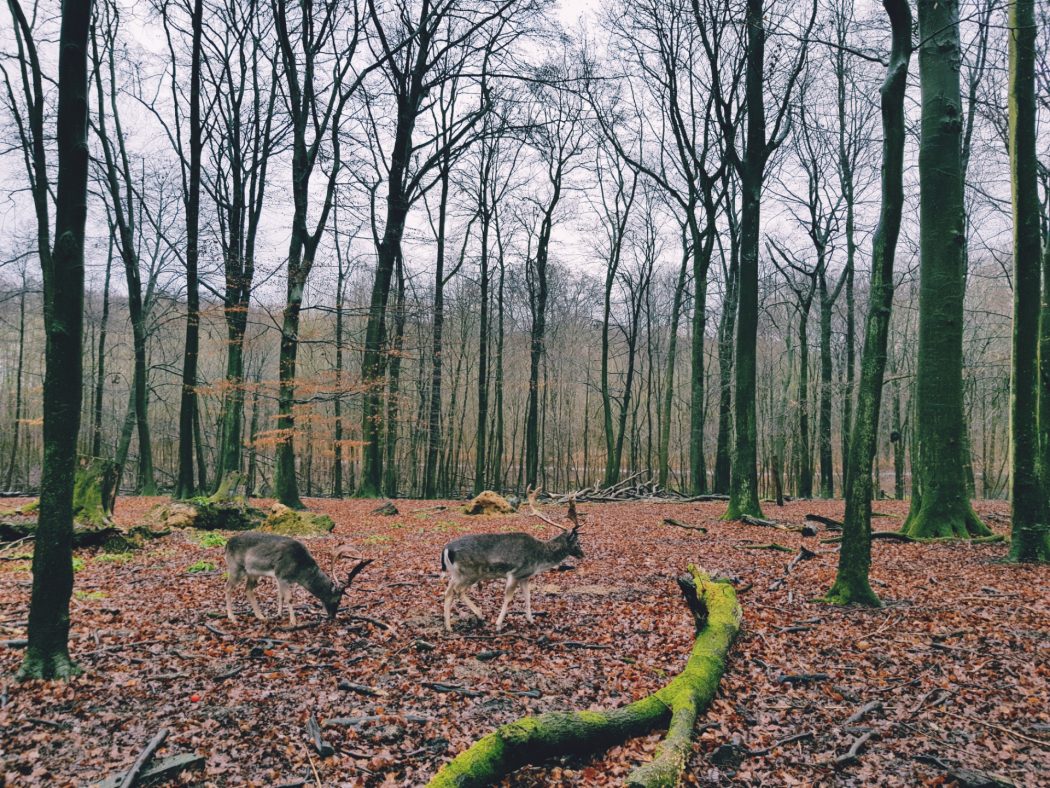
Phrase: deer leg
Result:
[232,580]
[450,596]
[251,598]
[527,589]
[470,603]
[284,597]
[512,586]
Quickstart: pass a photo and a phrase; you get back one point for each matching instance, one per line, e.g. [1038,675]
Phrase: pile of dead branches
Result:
[636,487]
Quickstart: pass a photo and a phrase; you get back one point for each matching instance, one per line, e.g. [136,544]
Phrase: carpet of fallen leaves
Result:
[951,673]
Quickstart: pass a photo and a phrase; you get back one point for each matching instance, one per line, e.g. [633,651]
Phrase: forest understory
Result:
[948,679]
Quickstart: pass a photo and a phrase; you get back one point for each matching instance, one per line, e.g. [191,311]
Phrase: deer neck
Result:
[554,551]
[317,582]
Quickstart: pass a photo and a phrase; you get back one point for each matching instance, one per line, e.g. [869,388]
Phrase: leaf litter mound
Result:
[946,684]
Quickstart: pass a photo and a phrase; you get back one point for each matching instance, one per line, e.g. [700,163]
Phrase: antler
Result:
[342,551]
[357,570]
[530,495]
[575,518]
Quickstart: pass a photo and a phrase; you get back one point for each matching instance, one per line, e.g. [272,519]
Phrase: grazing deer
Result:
[254,555]
[515,556]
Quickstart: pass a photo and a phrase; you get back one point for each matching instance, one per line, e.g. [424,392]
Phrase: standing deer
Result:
[254,555]
[515,556]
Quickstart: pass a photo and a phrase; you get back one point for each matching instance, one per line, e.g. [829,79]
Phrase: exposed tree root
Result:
[40,665]
[533,739]
[956,521]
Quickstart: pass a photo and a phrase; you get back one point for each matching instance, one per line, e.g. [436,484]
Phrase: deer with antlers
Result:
[252,555]
[515,556]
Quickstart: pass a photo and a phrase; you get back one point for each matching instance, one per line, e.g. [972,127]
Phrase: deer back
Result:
[275,556]
[499,555]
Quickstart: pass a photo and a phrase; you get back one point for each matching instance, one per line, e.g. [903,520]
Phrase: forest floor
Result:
[953,670]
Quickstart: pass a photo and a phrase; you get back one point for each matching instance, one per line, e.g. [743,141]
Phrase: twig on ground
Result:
[132,774]
[853,755]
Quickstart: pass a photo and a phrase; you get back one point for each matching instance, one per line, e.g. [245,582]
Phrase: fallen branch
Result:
[324,749]
[438,686]
[853,755]
[132,774]
[964,776]
[375,621]
[361,689]
[769,546]
[686,526]
[801,678]
[827,522]
[893,536]
[746,518]
[161,771]
[716,616]
[858,715]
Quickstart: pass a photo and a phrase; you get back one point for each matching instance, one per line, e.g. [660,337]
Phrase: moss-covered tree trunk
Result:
[677,705]
[1044,375]
[941,506]
[1030,533]
[47,653]
[851,583]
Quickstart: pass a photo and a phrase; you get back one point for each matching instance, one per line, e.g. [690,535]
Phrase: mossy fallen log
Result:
[293,522]
[676,706]
[94,498]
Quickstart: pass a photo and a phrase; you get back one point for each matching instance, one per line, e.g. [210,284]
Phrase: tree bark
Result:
[47,653]
[1030,532]
[16,427]
[743,488]
[185,485]
[851,582]
[100,381]
[942,505]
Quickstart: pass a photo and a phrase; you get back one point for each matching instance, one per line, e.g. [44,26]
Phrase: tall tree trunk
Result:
[942,507]
[667,408]
[537,338]
[846,181]
[612,467]
[123,214]
[804,450]
[393,387]
[827,462]
[743,489]
[436,360]
[726,332]
[16,427]
[480,456]
[184,486]
[47,653]
[253,431]
[703,247]
[851,583]
[338,404]
[100,382]
[286,484]
[498,432]
[1029,532]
